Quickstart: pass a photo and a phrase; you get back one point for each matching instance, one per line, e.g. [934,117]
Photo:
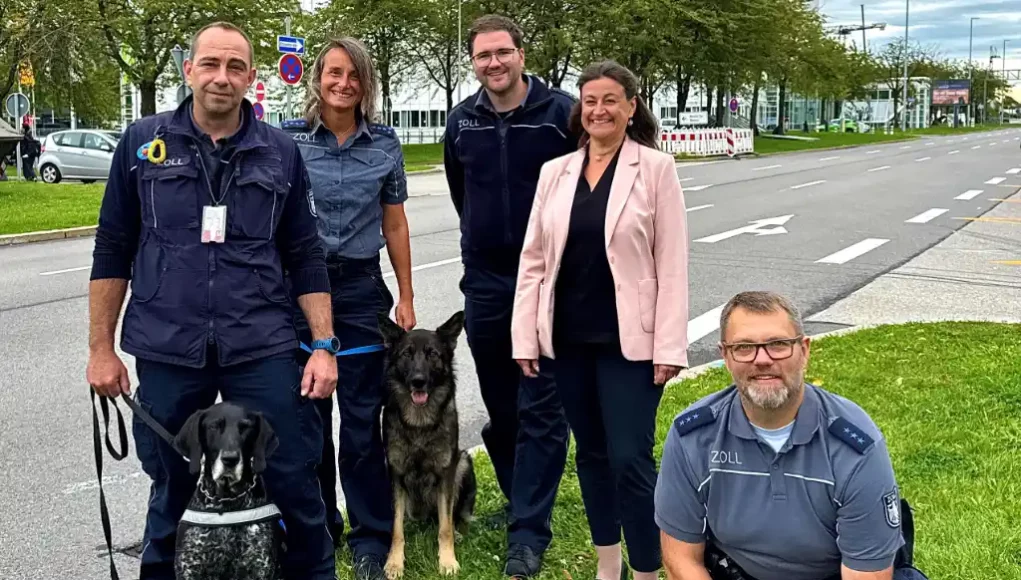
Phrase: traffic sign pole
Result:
[287,31]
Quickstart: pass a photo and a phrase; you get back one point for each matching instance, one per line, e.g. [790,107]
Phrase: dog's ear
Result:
[389,329]
[189,441]
[266,442]
[451,329]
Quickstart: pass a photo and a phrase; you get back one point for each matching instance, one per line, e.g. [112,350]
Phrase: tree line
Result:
[78,48]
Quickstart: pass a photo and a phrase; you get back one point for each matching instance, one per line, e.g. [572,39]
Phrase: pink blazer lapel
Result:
[620,190]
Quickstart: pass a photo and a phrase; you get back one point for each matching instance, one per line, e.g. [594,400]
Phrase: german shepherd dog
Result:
[431,476]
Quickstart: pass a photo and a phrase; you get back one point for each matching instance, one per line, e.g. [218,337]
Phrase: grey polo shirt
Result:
[827,497]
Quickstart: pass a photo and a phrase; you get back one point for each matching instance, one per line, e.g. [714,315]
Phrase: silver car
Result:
[83,154]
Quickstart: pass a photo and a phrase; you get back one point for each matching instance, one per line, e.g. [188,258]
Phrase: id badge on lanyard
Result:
[214,224]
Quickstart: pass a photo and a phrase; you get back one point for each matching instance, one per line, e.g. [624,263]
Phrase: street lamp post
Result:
[904,106]
[1003,73]
[971,38]
[460,81]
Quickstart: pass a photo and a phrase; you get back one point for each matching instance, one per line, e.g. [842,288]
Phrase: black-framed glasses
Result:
[504,55]
[779,349]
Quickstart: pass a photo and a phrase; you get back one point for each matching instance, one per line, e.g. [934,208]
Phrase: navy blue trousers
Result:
[527,434]
[272,386]
[359,293]
[611,405]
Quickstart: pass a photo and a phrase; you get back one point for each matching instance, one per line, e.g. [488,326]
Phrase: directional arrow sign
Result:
[757,227]
[291,44]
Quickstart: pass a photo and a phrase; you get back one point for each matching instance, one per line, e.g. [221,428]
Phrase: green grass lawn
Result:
[29,207]
[947,397]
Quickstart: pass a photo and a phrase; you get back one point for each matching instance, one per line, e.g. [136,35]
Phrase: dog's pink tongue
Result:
[419,398]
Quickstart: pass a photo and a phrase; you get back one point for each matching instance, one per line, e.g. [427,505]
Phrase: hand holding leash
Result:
[106,374]
[320,379]
[529,366]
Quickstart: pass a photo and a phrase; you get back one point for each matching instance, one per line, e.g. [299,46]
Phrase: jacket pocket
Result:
[169,197]
[647,293]
[257,202]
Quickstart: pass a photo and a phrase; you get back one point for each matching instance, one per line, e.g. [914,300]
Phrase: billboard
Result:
[950,92]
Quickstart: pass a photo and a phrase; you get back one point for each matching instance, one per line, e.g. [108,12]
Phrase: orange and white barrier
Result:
[707,142]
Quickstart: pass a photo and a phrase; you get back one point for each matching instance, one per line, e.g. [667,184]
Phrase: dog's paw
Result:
[449,565]
[394,568]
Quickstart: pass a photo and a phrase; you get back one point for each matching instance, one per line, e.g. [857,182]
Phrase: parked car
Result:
[83,154]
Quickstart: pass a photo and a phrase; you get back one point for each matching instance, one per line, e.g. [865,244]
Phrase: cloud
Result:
[943,24]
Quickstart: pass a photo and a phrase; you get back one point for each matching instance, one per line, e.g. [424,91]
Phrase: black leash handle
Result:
[104,514]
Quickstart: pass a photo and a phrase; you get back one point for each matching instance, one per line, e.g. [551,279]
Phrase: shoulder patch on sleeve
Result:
[693,419]
[380,129]
[891,508]
[854,437]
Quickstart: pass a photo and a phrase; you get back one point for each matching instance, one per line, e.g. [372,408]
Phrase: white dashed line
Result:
[767,167]
[698,207]
[809,184]
[930,143]
[996,181]
[1014,171]
[830,158]
[923,159]
[704,324]
[927,216]
[954,152]
[78,269]
[873,152]
[883,168]
[687,179]
[969,195]
[906,147]
[698,187]
[851,252]
[976,147]
[428,266]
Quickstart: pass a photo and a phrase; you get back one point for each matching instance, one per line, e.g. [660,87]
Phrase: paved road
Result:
[835,220]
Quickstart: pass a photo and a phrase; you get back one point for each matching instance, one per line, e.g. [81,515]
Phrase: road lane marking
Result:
[851,252]
[883,168]
[954,152]
[427,266]
[687,179]
[78,269]
[976,147]
[930,143]
[906,147]
[704,324]
[756,227]
[993,144]
[1006,200]
[698,187]
[1006,140]
[969,195]
[830,158]
[809,184]
[767,167]
[698,207]
[996,181]
[920,159]
[927,216]
[1014,171]
[873,152]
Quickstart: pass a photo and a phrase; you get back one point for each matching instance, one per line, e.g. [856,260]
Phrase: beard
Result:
[771,398]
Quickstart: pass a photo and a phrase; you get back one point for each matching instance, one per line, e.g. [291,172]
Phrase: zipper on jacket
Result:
[502,130]
[210,337]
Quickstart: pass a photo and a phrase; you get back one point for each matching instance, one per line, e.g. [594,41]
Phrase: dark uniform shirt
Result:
[828,497]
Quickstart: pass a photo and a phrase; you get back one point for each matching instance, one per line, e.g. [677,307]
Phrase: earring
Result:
[630,121]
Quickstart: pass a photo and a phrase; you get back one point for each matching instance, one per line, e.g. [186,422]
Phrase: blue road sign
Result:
[259,110]
[291,69]
[291,44]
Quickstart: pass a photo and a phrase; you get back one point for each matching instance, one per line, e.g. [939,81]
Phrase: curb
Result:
[434,170]
[15,239]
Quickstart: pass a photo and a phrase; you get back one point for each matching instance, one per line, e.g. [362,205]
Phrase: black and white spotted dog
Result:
[231,529]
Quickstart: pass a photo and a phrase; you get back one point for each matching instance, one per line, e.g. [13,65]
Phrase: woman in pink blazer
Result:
[602,297]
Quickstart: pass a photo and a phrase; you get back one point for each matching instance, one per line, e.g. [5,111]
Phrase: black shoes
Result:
[522,562]
[369,567]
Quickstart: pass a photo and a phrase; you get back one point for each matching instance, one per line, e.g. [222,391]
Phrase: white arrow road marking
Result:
[927,216]
[996,181]
[883,168]
[1014,171]
[970,194]
[698,187]
[809,184]
[704,324]
[851,252]
[698,207]
[756,227]
[767,167]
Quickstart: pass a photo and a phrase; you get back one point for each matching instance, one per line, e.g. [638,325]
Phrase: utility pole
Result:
[1003,73]
[460,81]
[287,89]
[904,106]
[971,105]
[864,46]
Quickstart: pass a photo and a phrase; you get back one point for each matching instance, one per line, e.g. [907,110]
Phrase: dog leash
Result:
[104,405]
[350,351]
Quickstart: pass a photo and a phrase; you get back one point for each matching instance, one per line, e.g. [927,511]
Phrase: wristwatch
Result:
[331,345]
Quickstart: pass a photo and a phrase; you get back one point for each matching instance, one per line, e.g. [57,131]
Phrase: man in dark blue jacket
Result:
[205,210]
[495,143]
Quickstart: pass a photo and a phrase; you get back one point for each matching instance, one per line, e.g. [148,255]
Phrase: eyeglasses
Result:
[776,349]
[503,55]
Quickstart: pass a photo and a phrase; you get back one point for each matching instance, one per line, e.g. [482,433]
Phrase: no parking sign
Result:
[291,69]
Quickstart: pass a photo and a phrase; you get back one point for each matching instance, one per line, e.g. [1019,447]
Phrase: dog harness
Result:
[266,513]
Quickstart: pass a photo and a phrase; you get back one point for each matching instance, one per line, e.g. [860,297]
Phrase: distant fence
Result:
[707,142]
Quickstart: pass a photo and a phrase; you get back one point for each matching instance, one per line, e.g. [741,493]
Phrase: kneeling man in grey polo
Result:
[784,479]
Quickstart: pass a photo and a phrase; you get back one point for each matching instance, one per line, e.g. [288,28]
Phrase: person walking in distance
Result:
[495,143]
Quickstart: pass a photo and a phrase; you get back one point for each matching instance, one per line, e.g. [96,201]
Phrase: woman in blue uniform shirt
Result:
[359,187]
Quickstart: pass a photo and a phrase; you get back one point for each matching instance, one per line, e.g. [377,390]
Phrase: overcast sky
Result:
[938,22]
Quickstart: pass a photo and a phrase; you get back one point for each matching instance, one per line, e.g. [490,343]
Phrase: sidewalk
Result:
[974,274]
